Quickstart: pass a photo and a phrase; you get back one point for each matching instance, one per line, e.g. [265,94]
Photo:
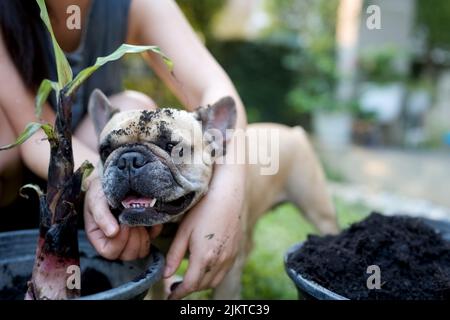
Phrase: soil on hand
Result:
[414,260]
[92,281]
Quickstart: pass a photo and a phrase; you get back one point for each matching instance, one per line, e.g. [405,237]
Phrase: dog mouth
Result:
[138,202]
[139,210]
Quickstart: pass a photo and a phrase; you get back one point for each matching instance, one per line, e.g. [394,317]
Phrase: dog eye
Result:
[180,153]
[169,147]
[104,153]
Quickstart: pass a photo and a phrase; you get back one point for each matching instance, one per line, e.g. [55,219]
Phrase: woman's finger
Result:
[98,207]
[109,248]
[218,278]
[177,251]
[132,247]
[145,242]
[191,280]
[209,273]
[155,231]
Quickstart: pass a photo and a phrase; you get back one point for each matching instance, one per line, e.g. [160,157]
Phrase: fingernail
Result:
[110,230]
[168,271]
[174,285]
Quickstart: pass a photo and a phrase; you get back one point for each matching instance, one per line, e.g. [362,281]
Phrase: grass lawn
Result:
[264,276]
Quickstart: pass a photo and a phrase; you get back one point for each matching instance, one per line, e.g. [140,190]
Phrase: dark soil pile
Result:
[413,258]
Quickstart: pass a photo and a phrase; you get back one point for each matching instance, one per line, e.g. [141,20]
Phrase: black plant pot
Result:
[101,279]
[311,290]
[307,289]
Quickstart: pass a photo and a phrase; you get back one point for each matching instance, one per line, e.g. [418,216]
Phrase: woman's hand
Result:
[111,240]
[211,231]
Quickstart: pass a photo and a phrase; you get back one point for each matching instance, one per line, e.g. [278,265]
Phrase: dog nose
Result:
[131,160]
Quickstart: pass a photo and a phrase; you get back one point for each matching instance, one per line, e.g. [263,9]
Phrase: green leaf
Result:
[35,187]
[42,95]
[30,129]
[62,65]
[87,168]
[48,130]
[120,52]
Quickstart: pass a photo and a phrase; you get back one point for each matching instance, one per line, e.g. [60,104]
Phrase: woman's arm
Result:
[199,80]
[17,102]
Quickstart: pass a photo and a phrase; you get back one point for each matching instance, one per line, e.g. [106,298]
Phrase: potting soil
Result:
[413,260]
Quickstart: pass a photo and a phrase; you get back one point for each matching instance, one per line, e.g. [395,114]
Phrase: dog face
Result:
[158,164]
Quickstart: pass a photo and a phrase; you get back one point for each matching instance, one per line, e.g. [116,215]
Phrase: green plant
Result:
[380,64]
[201,13]
[307,98]
[57,248]
[260,76]
[317,95]
[433,19]
[310,26]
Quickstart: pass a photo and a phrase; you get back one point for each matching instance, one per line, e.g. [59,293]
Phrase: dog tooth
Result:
[152,204]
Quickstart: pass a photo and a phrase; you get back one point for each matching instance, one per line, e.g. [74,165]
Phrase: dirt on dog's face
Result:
[156,164]
[140,177]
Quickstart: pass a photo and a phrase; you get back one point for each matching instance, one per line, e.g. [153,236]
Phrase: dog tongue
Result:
[130,201]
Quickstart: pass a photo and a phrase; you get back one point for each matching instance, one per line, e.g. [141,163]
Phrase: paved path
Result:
[389,203]
[420,175]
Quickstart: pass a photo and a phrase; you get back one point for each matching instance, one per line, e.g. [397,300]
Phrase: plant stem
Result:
[58,240]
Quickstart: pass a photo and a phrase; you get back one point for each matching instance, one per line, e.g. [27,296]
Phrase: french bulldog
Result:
[158,164]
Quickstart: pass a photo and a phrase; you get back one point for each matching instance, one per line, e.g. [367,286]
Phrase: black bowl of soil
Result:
[413,256]
[101,279]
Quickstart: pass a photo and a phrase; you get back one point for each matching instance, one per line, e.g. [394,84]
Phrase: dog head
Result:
[158,164]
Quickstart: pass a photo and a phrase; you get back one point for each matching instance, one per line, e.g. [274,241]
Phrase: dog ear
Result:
[220,116]
[100,110]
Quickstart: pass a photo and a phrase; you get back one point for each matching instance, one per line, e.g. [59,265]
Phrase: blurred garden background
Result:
[369,80]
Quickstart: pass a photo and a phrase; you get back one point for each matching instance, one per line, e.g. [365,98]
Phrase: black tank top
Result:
[104,31]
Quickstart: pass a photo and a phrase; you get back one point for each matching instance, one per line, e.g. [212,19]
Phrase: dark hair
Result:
[21,28]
